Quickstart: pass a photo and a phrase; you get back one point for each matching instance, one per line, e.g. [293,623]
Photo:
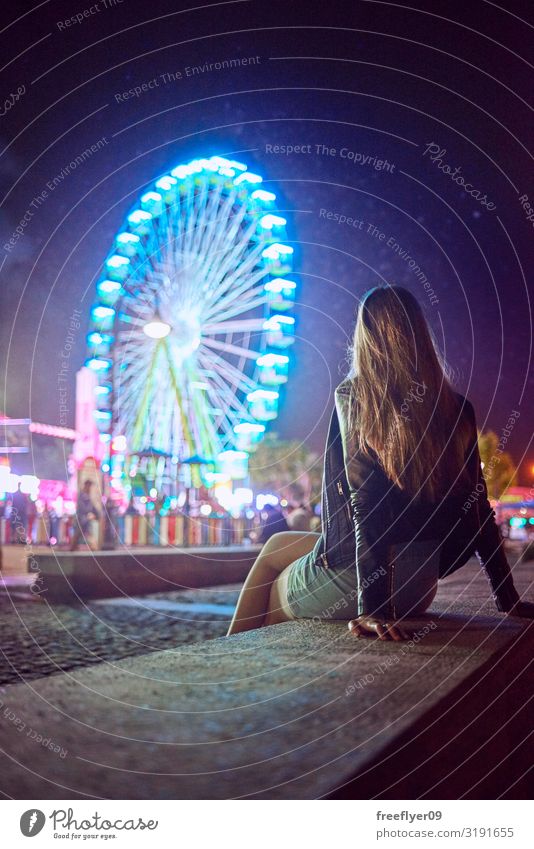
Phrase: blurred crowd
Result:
[27,520]
[274,520]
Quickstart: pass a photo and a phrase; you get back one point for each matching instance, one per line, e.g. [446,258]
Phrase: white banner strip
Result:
[236,824]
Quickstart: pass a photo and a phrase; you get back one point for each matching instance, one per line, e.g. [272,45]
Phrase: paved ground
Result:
[291,711]
[37,639]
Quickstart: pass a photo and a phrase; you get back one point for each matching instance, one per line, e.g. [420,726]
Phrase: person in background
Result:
[85,513]
[131,509]
[53,524]
[32,520]
[18,518]
[274,522]
[300,518]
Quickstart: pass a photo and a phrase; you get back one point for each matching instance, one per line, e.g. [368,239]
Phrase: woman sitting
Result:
[404,502]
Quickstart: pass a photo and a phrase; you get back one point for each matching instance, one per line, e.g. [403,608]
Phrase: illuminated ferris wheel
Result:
[191,328]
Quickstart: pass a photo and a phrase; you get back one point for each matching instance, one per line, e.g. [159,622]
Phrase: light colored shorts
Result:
[312,591]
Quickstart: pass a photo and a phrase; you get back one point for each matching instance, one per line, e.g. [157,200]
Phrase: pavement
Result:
[298,710]
[39,639]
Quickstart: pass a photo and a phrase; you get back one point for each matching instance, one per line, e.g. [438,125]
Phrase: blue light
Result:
[102,312]
[98,364]
[127,238]
[220,161]
[117,261]
[238,165]
[139,215]
[274,322]
[517,522]
[249,427]
[166,183]
[109,287]
[261,194]
[267,394]
[269,221]
[102,415]
[247,177]
[97,338]
[181,172]
[269,360]
[208,165]
[275,251]
[232,455]
[151,197]
[102,390]
[278,285]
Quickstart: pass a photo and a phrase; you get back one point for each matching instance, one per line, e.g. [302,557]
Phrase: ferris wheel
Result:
[190,332]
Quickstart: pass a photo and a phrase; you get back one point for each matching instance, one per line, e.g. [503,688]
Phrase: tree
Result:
[498,466]
[288,468]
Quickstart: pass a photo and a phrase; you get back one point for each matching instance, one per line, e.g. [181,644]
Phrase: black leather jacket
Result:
[363,513]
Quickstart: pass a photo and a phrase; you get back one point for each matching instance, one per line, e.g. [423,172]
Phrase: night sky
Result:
[390,103]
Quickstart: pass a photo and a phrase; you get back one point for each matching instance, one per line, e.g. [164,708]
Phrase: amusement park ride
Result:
[189,334]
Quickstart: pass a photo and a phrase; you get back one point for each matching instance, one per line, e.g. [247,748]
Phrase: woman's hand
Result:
[522,608]
[384,629]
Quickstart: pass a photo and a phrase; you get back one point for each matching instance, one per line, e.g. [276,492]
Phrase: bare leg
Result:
[277,553]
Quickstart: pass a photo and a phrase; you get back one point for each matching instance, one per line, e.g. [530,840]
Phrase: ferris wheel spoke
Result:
[232,247]
[230,348]
[143,411]
[187,201]
[218,234]
[239,326]
[197,218]
[226,222]
[237,307]
[237,280]
[226,406]
[175,383]
[242,290]
[231,409]
[146,268]
[216,393]
[207,434]
[218,365]
[231,264]
[217,215]
[202,225]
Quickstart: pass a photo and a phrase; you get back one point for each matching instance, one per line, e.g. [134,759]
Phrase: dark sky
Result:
[382,80]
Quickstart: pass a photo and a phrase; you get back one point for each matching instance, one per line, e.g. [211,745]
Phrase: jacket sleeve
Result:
[372,570]
[489,544]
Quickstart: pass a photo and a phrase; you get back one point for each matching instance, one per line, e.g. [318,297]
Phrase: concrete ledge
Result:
[71,576]
[299,710]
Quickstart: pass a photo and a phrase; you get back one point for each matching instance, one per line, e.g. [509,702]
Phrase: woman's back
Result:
[454,469]
[461,521]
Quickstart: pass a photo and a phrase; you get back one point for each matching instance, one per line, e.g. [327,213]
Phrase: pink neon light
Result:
[53,430]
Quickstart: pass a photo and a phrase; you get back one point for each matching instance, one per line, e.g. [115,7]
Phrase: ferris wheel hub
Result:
[157,329]
[186,335]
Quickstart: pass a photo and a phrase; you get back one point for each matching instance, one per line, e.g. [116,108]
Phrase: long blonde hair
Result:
[403,407]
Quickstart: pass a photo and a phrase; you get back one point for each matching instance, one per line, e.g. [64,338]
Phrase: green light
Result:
[517,522]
